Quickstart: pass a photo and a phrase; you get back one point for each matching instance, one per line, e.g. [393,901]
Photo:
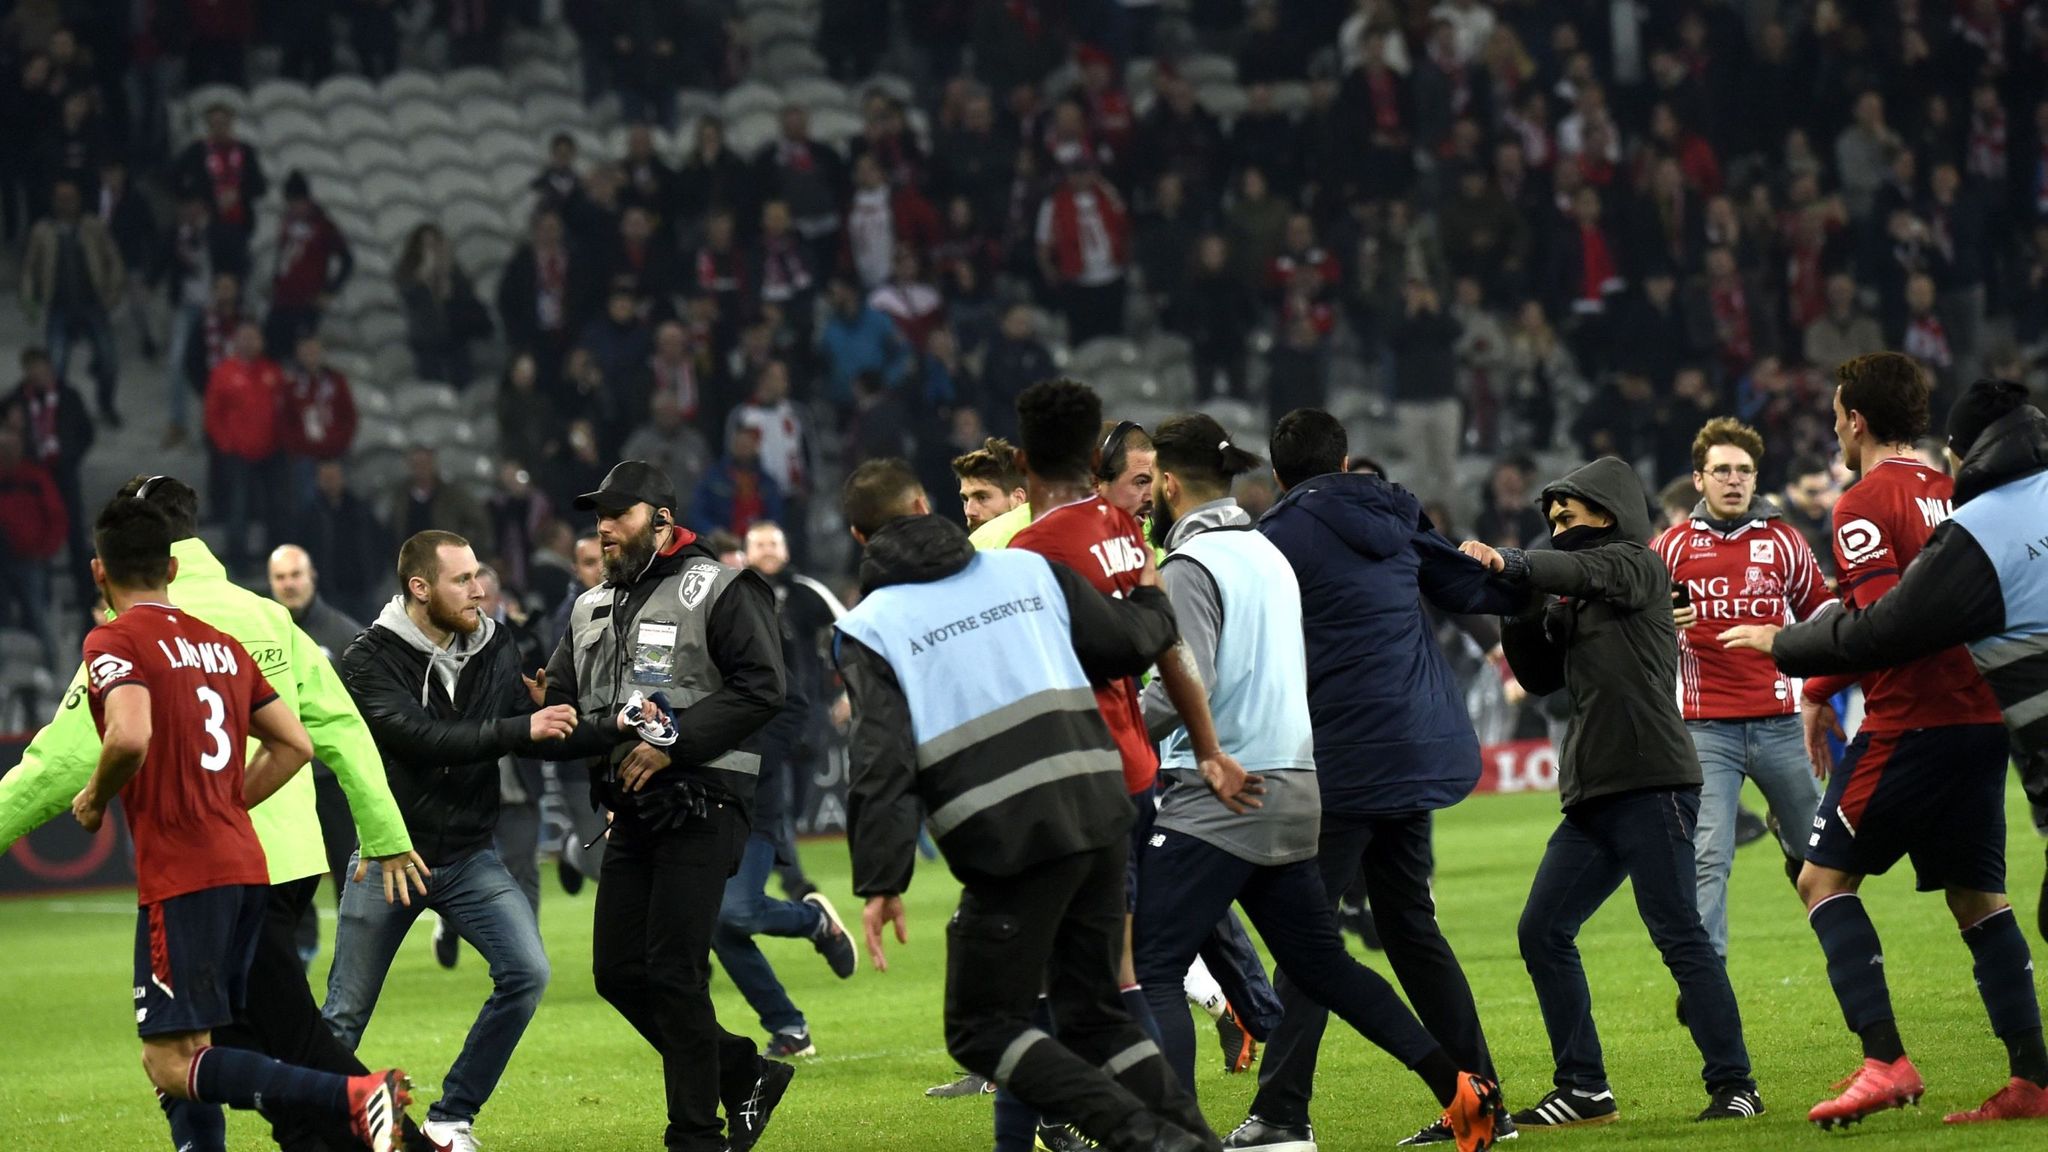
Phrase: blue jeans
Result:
[480,900]
[748,911]
[185,324]
[1646,838]
[97,328]
[1770,751]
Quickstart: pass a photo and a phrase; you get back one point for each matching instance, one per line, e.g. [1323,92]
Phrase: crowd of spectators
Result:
[1528,227]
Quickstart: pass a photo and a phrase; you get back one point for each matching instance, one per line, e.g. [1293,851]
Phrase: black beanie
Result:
[1978,408]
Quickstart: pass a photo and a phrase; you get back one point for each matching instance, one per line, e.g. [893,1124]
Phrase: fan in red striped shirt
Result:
[1739,563]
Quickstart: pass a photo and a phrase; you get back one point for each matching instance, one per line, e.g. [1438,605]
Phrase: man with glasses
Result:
[1736,561]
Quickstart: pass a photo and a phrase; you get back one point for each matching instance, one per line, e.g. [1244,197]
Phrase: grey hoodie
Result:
[444,664]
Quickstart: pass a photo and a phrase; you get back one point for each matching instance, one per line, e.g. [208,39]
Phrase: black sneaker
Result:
[1439,1132]
[447,944]
[790,1045]
[1257,1135]
[1239,1049]
[1062,1138]
[1357,919]
[1570,1108]
[746,1119]
[967,1085]
[1681,1011]
[831,939]
[1749,827]
[1733,1104]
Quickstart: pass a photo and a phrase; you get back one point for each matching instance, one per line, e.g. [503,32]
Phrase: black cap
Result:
[630,482]
[1978,408]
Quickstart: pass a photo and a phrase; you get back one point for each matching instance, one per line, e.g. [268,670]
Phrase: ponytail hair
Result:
[1196,448]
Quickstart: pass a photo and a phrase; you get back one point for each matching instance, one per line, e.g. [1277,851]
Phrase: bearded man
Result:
[439,684]
[673,665]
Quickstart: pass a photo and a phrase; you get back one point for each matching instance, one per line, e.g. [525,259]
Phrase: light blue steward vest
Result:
[1260,698]
[2010,523]
[973,645]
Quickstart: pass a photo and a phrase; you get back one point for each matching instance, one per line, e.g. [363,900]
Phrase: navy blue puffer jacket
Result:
[1391,731]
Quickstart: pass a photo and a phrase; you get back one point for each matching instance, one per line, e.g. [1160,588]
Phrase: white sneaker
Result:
[450,1136]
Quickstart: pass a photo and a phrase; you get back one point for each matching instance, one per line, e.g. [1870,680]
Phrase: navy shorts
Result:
[192,956]
[1146,804]
[1934,794]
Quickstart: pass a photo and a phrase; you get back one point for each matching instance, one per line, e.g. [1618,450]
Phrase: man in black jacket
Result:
[1630,785]
[440,686]
[670,623]
[969,674]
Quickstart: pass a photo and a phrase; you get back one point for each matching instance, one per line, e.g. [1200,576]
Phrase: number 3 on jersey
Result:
[218,749]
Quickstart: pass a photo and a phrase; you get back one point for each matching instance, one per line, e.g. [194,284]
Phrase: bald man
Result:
[294,584]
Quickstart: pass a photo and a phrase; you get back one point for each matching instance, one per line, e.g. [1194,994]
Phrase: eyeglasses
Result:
[1731,471]
[1107,456]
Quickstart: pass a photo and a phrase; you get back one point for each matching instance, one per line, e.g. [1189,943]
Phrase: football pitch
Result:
[70,1076]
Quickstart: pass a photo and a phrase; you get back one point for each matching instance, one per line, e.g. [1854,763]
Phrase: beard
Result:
[460,619]
[634,554]
[1159,525]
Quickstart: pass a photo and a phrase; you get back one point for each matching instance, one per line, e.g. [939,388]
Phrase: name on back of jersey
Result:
[209,656]
[1118,555]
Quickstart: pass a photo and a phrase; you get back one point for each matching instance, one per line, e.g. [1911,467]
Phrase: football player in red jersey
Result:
[1072,525]
[1739,563]
[1925,776]
[172,747]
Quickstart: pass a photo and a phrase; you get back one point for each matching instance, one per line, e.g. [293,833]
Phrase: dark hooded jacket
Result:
[1392,734]
[889,790]
[1952,594]
[1599,626]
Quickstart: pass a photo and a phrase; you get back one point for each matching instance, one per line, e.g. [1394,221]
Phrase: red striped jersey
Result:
[1759,572]
[1105,545]
[1881,523]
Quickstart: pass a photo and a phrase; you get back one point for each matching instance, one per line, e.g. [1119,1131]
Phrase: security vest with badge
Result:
[653,636]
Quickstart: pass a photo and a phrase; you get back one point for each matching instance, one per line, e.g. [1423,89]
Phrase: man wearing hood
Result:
[1241,613]
[1978,582]
[1738,562]
[1393,741]
[969,675]
[439,683]
[1598,625]
[674,664]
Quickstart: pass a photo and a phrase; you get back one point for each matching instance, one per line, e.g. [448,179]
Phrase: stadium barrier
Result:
[60,856]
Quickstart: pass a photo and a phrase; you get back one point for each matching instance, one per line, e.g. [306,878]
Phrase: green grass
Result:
[69,1074]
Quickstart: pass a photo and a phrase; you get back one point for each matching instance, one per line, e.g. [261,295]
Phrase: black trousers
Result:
[657,903]
[1392,856]
[282,1021]
[1186,885]
[1059,926]
[338,833]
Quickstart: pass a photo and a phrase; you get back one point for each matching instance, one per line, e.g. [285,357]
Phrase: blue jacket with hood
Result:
[1391,730]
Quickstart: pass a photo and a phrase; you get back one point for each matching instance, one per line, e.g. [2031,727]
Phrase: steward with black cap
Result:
[699,643]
